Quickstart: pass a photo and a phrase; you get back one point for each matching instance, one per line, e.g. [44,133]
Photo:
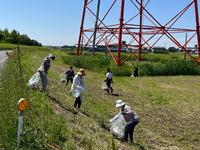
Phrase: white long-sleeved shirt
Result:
[78,83]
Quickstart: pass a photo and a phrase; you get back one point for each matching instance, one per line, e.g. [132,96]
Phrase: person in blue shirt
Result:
[70,75]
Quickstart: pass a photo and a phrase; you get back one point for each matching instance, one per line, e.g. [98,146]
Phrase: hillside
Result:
[168,107]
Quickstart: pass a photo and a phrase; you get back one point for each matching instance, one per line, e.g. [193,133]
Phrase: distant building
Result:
[192,50]
[112,47]
[126,49]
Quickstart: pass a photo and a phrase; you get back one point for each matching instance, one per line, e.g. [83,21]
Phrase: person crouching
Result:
[130,117]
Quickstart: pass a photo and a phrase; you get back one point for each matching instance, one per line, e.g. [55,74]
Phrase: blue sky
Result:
[57,22]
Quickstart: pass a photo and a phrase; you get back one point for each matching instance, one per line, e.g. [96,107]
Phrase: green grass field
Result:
[168,107]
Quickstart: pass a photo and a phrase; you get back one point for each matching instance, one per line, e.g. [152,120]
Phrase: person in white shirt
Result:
[78,87]
[108,81]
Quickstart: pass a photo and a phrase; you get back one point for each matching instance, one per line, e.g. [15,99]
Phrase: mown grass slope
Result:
[168,107]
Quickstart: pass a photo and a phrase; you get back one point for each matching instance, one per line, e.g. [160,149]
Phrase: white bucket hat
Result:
[119,103]
[51,56]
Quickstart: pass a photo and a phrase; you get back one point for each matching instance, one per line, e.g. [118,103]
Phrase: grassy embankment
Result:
[168,107]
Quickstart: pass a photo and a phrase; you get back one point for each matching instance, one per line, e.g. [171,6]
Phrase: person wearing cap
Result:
[70,75]
[130,117]
[78,86]
[43,70]
[108,81]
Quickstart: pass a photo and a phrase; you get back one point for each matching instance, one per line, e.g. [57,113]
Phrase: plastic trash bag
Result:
[34,80]
[118,126]
[76,93]
[104,86]
[63,77]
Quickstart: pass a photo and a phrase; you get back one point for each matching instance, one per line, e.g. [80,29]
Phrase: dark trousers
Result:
[129,129]
[108,82]
[135,73]
[69,79]
[77,102]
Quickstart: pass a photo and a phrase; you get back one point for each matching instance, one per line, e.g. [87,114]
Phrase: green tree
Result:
[6,33]
[1,35]
[14,36]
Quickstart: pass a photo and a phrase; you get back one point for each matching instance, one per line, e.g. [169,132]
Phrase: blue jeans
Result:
[129,129]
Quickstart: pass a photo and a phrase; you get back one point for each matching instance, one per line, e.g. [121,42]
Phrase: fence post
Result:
[20,126]
[22,105]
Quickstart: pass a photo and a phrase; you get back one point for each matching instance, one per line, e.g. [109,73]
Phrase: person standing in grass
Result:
[70,75]
[109,81]
[78,87]
[43,70]
[130,117]
[135,72]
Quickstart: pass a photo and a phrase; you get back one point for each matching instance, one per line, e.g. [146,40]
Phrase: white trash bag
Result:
[77,92]
[118,126]
[63,77]
[104,86]
[34,80]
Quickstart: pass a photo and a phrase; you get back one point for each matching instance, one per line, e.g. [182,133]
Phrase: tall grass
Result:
[12,90]
[41,125]
[153,65]
[96,63]
[170,67]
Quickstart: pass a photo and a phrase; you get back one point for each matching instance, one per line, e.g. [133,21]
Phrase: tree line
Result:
[15,37]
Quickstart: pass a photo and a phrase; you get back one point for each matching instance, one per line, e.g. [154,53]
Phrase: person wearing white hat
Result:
[78,87]
[43,70]
[130,117]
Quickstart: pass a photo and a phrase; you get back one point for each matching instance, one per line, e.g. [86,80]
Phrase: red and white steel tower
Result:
[139,29]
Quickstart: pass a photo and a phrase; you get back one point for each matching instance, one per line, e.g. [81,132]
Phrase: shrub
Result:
[96,63]
[170,67]
[154,65]
[124,70]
